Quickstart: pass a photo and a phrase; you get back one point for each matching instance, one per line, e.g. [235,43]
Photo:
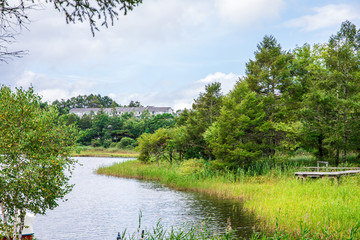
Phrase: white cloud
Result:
[112,95]
[151,26]
[245,12]
[227,80]
[184,97]
[326,16]
[65,87]
[51,89]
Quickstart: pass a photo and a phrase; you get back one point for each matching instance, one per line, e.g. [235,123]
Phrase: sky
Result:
[164,52]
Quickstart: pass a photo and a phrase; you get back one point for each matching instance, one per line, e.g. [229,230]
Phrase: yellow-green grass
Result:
[104,152]
[321,205]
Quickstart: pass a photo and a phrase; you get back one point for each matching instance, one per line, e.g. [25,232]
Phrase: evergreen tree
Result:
[269,77]
[343,63]
[237,137]
[205,110]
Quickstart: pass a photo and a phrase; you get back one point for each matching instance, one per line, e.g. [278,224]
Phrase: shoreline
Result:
[281,203]
[104,152]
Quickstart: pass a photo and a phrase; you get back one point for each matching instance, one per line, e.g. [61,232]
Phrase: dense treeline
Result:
[89,101]
[306,98]
[103,130]
[84,101]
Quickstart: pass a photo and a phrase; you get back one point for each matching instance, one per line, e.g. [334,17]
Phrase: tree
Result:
[314,104]
[153,145]
[14,15]
[343,62]
[237,137]
[165,120]
[84,101]
[101,127]
[330,112]
[134,104]
[35,162]
[205,110]
[5,54]
[268,76]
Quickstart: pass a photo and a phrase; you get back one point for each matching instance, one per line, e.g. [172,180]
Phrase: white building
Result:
[137,111]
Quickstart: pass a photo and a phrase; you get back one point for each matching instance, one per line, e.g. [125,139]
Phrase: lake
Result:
[99,207]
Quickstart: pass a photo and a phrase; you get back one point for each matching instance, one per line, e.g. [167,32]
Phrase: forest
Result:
[306,99]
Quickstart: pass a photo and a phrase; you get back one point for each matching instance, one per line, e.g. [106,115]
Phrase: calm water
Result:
[100,206]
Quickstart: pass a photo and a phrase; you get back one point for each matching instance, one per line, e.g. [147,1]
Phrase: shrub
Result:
[95,143]
[126,142]
[107,143]
[192,166]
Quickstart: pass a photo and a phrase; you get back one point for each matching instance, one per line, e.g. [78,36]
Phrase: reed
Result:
[321,206]
[187,231]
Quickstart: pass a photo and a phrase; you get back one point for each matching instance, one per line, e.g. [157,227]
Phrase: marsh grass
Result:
[84,151]
[188,231]
[317,209]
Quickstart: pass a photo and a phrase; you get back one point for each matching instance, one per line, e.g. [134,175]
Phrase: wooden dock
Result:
[335,175]
[331,172]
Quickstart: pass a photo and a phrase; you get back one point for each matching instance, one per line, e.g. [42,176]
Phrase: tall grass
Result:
[188,231]
[86,151]
[322,207]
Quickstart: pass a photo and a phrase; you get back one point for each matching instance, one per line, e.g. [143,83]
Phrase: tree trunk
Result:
[4,220]
[157,159]
[171,157]
[320,148]
[22,222]
[337,157]
[15,225]
[345,136]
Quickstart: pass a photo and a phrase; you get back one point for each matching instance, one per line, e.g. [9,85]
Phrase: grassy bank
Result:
[320,208]
[104,152]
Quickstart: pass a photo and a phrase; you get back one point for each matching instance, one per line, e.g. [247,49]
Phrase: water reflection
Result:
[100,206]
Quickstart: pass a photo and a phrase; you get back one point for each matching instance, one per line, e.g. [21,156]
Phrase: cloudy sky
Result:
[165,51]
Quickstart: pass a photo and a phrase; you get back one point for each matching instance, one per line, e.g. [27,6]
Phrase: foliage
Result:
[126,142]
[268,76]
[152,145]
[308,98]
[101,129]
[84,101]
[330,108]
[134,104]
[205,109]
[239,134]
[192,166]
[35,163]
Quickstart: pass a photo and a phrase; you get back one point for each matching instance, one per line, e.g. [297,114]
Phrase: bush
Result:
[95,143]
[126,142]
[113,145]
[107,143]
[192,166]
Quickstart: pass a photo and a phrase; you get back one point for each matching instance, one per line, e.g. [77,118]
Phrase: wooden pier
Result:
[333,173]
[336,175]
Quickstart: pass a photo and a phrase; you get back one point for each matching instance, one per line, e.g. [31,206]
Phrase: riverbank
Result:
[104,152]
[320,208]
